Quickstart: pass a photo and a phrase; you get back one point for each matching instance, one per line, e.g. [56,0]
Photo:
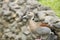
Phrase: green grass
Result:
[54,4]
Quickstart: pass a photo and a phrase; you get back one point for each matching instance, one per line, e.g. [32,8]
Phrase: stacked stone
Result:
[21,20]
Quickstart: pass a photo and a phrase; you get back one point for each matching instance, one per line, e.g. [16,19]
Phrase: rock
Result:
[21,2]
[6,30]
[43,30]
[25,30]
[57,29]
[41,15]
[57,25]
[23,37]
[1,34]
[32,2]
[52,37]
[48,19]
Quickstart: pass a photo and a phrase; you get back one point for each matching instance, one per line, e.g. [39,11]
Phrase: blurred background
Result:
[54,4]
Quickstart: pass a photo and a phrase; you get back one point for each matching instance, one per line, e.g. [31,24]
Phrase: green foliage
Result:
[54,4]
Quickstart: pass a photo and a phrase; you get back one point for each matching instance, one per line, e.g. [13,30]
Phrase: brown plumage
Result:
[44,24]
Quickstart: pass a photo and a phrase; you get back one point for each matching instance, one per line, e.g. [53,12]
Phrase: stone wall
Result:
[27,20]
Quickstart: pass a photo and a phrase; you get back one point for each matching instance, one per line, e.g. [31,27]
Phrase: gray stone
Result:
[21,2]
[43,30]
[57,25]
[25,30]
